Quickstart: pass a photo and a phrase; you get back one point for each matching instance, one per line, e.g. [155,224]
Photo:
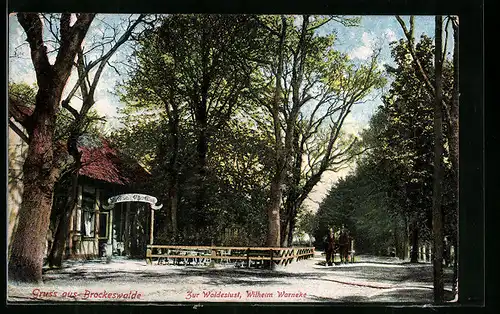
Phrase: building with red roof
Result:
[105,172]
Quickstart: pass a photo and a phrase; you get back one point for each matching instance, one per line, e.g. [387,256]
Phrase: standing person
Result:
[330,247]
[344,245]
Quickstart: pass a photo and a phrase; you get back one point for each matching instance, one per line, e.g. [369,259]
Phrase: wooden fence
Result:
[241,256]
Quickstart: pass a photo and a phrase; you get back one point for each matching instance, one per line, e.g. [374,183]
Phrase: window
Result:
[88,212]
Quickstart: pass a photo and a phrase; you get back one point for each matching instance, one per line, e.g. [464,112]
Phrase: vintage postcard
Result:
[195,158]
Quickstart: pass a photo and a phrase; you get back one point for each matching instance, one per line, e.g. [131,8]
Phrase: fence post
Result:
[248,257]
[149,259]
[352,251]
[152,226]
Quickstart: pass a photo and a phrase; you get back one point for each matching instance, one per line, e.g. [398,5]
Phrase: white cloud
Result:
[19,76]
[364,52]
[367,39]
[76,103]
[106,107]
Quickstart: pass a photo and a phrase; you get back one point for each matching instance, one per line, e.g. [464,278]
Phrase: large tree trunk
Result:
[287,227]
[414,244]
[273,214]
[293,202]
[397,241]
[273,211]
[41,167]
[454,142]
[173,210]
[202,150]
[173,165]
[284,227]
[40,176]
[291,211]
[437,219]
[293,149]
[405,238]
[202,123]
[293,222]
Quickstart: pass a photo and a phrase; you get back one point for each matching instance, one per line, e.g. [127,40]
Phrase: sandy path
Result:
[369,280]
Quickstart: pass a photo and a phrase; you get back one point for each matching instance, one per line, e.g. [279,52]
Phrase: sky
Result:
[358,42]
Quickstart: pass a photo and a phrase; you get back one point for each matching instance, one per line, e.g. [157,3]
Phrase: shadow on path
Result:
[384,275]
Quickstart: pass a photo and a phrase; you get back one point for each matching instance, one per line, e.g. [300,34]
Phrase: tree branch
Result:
[33,27]
[19,132]
[321,24]
[71,39]
[65,104]
[105,58]
[262,24]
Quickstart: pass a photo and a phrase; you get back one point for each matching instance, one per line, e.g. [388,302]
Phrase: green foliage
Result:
[23,92]
[391,188]
[139,137]
[189,76]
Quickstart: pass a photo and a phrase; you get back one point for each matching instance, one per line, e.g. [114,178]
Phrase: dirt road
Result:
[370,279]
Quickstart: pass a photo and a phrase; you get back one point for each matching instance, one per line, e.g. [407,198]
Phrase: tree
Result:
[394,176]
[80,121]
[308,89]
[451,113]
[193,70]
[454,146]
[437,219]
[280,156]
[324,147]
[450,106]
[239,172]
[409,137]
[210,49]
[41,168]
[306,224]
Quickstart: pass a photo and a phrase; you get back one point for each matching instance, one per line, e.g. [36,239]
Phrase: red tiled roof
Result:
[102,163]
[107,164]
